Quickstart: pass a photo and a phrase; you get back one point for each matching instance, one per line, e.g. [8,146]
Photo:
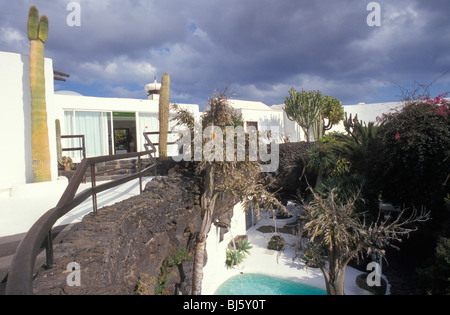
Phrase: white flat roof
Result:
[248,105]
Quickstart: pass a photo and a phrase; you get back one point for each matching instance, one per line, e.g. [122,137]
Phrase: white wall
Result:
[367,112]
[217,251]
[66,102]
[291,129]
[15,119]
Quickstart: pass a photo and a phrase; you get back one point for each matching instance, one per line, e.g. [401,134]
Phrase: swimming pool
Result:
[258,284]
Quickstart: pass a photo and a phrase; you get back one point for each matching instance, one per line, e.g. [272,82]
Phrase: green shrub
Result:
[234,258]
[413,161]
[435,279]
[244,246]
[276,242]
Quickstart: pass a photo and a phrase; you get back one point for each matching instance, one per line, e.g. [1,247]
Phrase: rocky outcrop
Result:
[126,245]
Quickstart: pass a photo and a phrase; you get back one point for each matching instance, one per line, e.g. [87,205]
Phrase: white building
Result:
[110,125]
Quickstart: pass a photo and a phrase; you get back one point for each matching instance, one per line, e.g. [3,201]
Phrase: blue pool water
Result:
[257,284]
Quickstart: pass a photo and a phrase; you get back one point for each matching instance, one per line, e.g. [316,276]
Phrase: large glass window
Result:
[149,122]
[94,126]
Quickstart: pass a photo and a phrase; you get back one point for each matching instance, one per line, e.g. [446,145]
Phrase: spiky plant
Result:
[164,107]
[40,148]
[304,108]
[58,140]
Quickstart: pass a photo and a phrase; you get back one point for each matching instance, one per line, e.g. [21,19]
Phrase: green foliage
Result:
[234,258]
[321,159]
[179,257]
[344,186]
[304,108]
[237,255]
[357,145]
[310,110]
[333,111]
[435,279]
[244,246]
[413,163]
[161,286]
[276,242]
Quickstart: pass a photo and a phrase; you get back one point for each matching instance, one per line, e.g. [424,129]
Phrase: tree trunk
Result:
[208,204]
[306,131]
[199,260]
[334,281]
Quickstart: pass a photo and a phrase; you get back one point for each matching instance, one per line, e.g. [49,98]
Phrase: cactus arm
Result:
[33,23]
[43,29]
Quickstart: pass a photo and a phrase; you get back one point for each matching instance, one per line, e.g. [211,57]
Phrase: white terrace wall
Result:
[213,272]
[15,119]
[367,112]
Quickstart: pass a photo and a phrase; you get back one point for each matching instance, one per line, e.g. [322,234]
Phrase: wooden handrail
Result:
[21,271]
[83,144]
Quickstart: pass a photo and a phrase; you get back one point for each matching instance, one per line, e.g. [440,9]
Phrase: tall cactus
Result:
[164,107]
[58,141]
[62,160]
[40,148]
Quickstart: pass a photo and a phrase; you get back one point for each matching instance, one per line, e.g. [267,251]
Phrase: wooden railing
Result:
[81,148]
[22,268]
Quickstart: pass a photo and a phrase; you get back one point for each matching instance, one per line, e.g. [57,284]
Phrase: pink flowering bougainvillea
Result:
[440,103]
[411,164]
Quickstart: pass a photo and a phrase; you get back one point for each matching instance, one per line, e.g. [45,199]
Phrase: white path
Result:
[19,211]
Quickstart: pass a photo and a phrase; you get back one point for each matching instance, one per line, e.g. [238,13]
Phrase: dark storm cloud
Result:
[260,47]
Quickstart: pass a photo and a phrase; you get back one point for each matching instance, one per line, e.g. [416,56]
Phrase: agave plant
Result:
[244,246]
[234,258]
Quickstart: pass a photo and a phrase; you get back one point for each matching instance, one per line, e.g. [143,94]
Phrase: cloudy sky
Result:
[259,48]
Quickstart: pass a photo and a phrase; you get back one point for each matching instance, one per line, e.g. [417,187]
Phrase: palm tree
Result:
[321,160]
[357,145]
